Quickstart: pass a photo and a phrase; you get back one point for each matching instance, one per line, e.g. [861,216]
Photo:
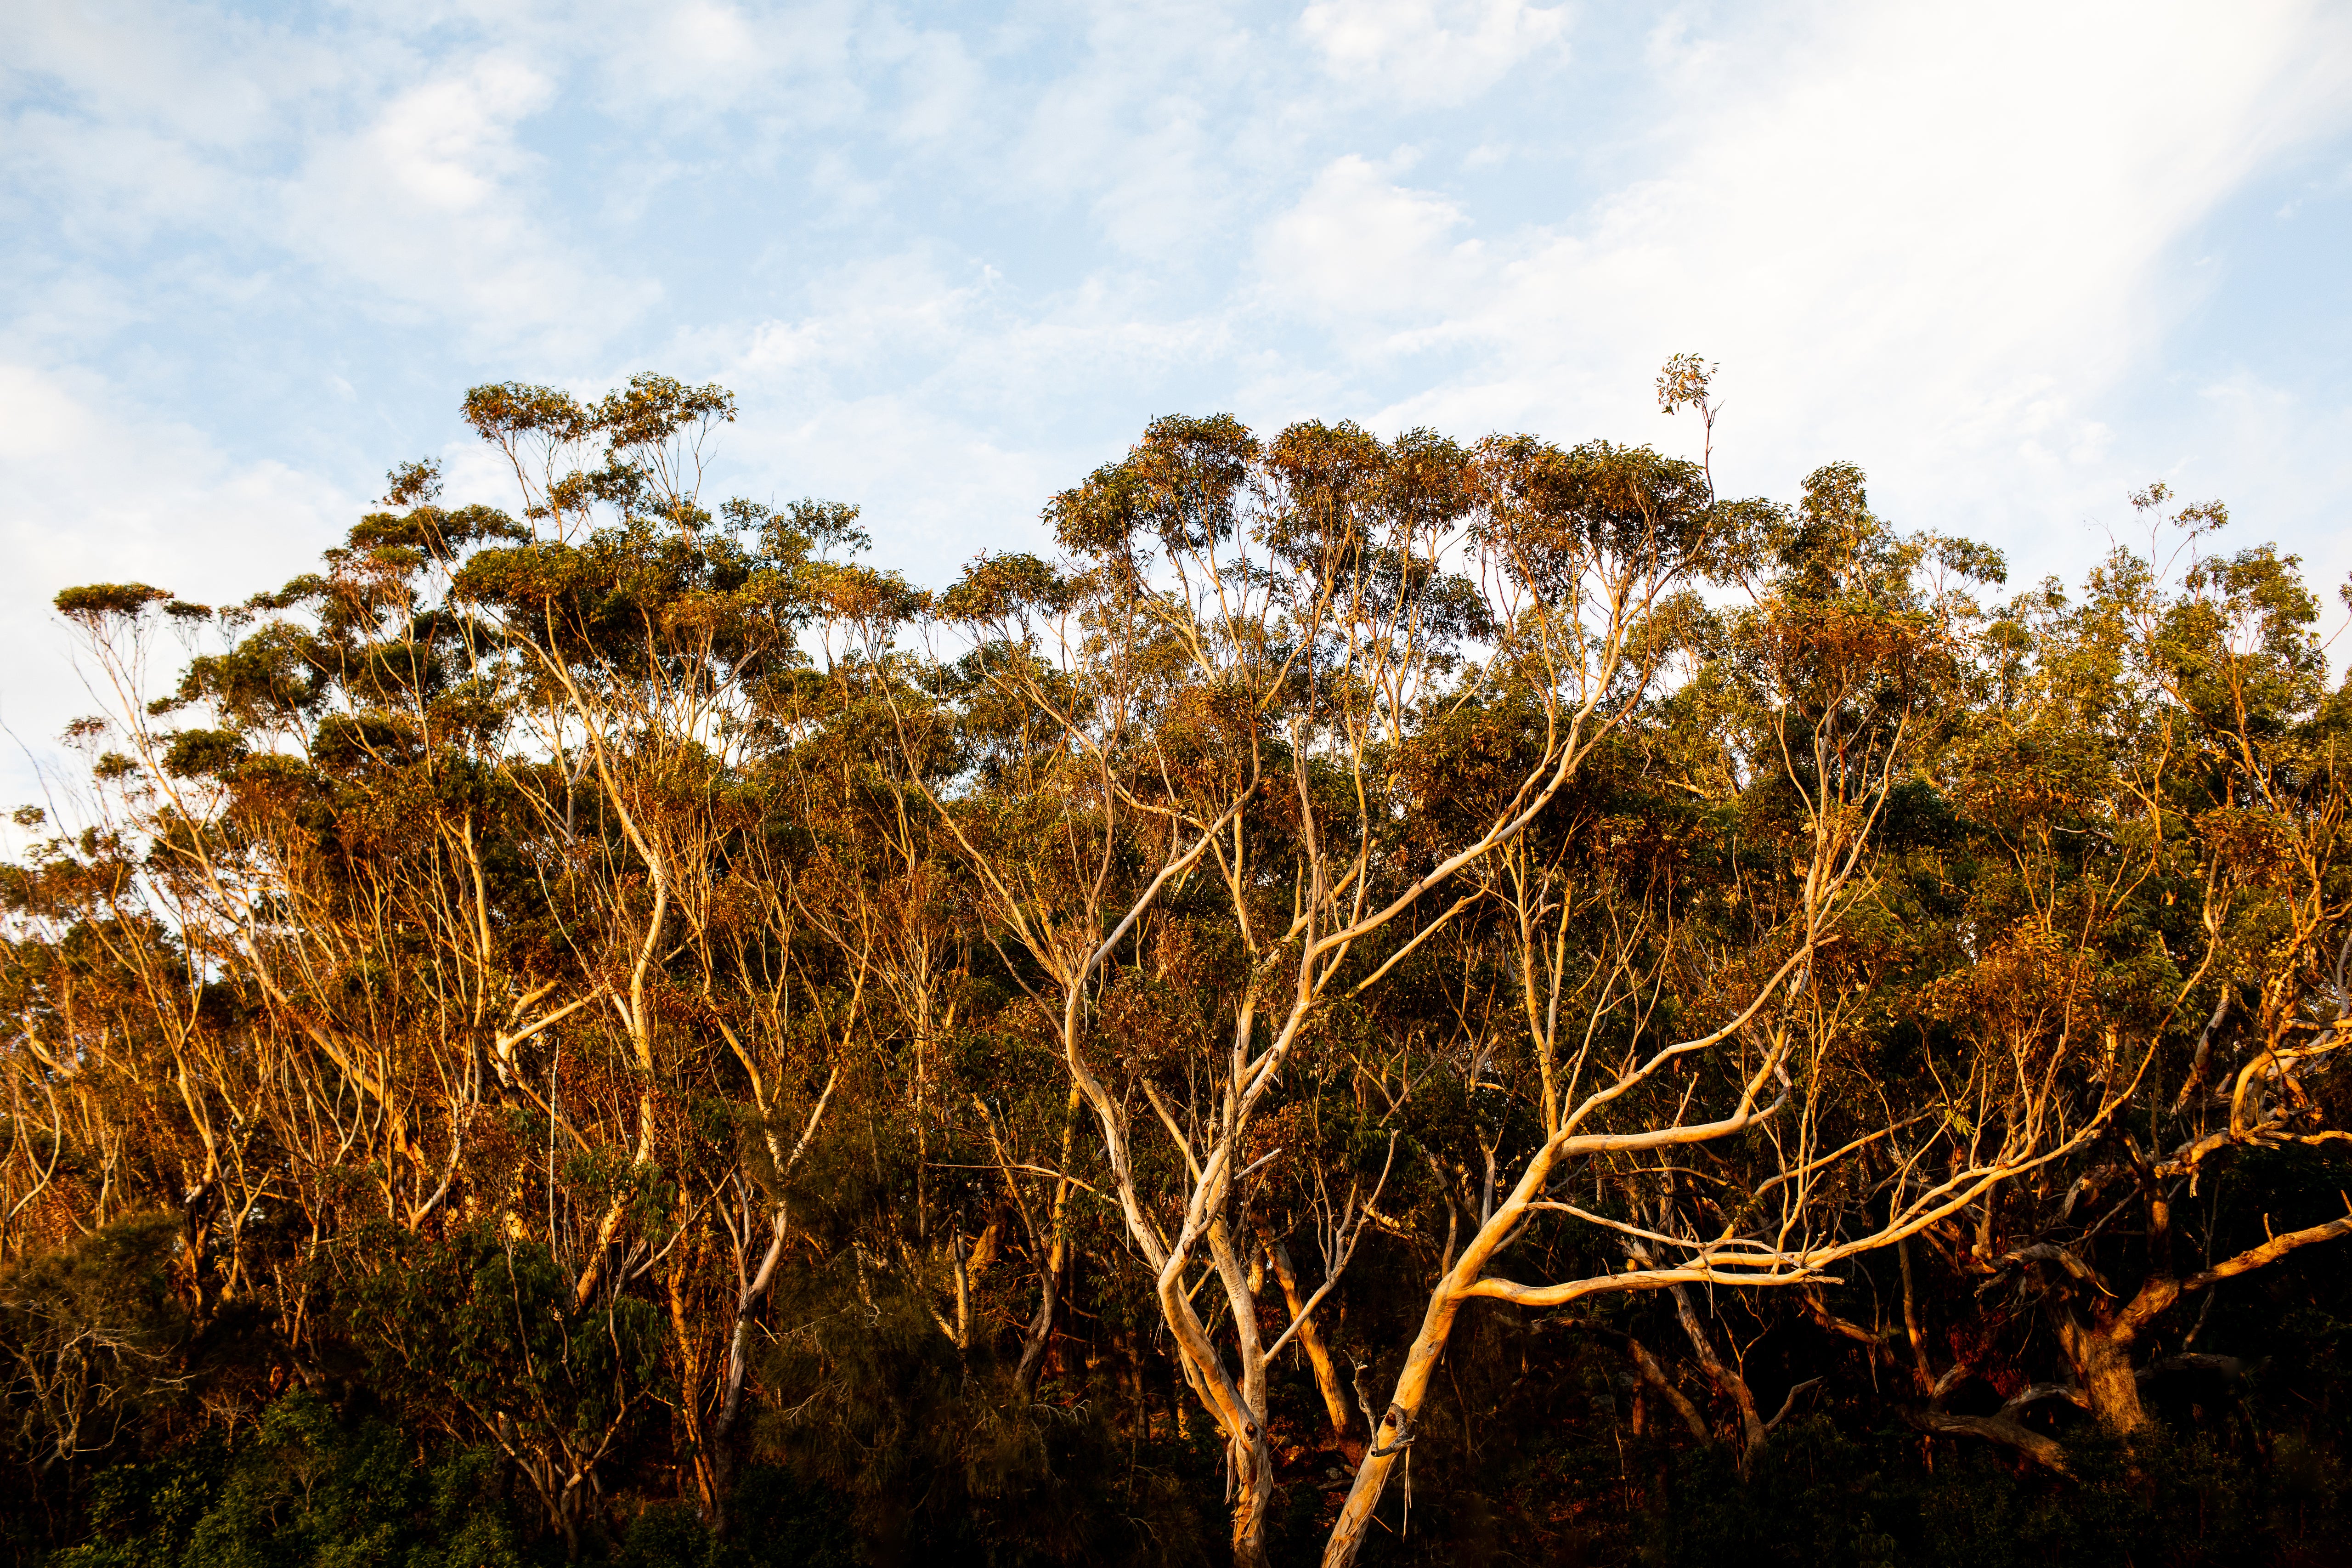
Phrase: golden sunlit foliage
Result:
[613,1027]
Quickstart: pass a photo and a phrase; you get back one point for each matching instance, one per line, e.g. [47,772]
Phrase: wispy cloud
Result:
[95,496]
[1359,250]
[1935,244]
[431,204]
[1431,51]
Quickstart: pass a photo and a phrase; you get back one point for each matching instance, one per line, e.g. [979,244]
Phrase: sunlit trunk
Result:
[1253,1494]
[1393,1431]
[2102,1362]
[1318,1349]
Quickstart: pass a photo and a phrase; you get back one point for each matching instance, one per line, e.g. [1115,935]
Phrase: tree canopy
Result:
[609,1027]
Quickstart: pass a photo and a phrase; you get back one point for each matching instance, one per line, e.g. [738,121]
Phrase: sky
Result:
[2016,260]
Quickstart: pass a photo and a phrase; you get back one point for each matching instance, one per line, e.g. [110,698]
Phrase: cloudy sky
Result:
[2016,260]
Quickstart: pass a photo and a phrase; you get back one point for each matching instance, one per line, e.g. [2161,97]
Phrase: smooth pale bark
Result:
[1911,1329]
[1465,1278]
[747,1302]
[754,1291]
[608,1228]
[707,1481]
[1311,1340]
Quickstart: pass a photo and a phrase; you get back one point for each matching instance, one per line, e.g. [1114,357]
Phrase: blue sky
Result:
[2015,259]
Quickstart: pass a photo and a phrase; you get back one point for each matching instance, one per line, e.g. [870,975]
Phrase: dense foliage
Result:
[1395,1000]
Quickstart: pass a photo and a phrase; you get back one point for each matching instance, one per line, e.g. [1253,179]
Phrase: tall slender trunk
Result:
[1726,1378]
[747,1302]
[608,1228]
[1921,1370]
[1310,1338]
[1049,1288]
[1254,1492]
[1392,1431]
[690,1387]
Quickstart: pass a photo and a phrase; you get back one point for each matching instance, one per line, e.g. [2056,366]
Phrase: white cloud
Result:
[98,493]
[1163,123]
[1431,51]
[447,145]
[905,304]
[119,182]
[696,50]
[1356,244]
[404,179]
[1933,240]
[211,79]
[689,63]
[916,385]
[942,90]
[434,203]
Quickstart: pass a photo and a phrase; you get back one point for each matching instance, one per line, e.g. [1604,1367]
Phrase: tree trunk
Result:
[747,1301]
[1652,1376]
[1254,1489]
[1392,1431]
[2103,1369]
[689,1390]
[1057,1257]
[1728,1382]
[1318,1349]
[2100,1349]
[1911,1329]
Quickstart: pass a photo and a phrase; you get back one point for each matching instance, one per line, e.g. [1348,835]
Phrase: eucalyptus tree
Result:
[458,815]
[655,991]
[1287,711]
[1650,1020]
[2160,783]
